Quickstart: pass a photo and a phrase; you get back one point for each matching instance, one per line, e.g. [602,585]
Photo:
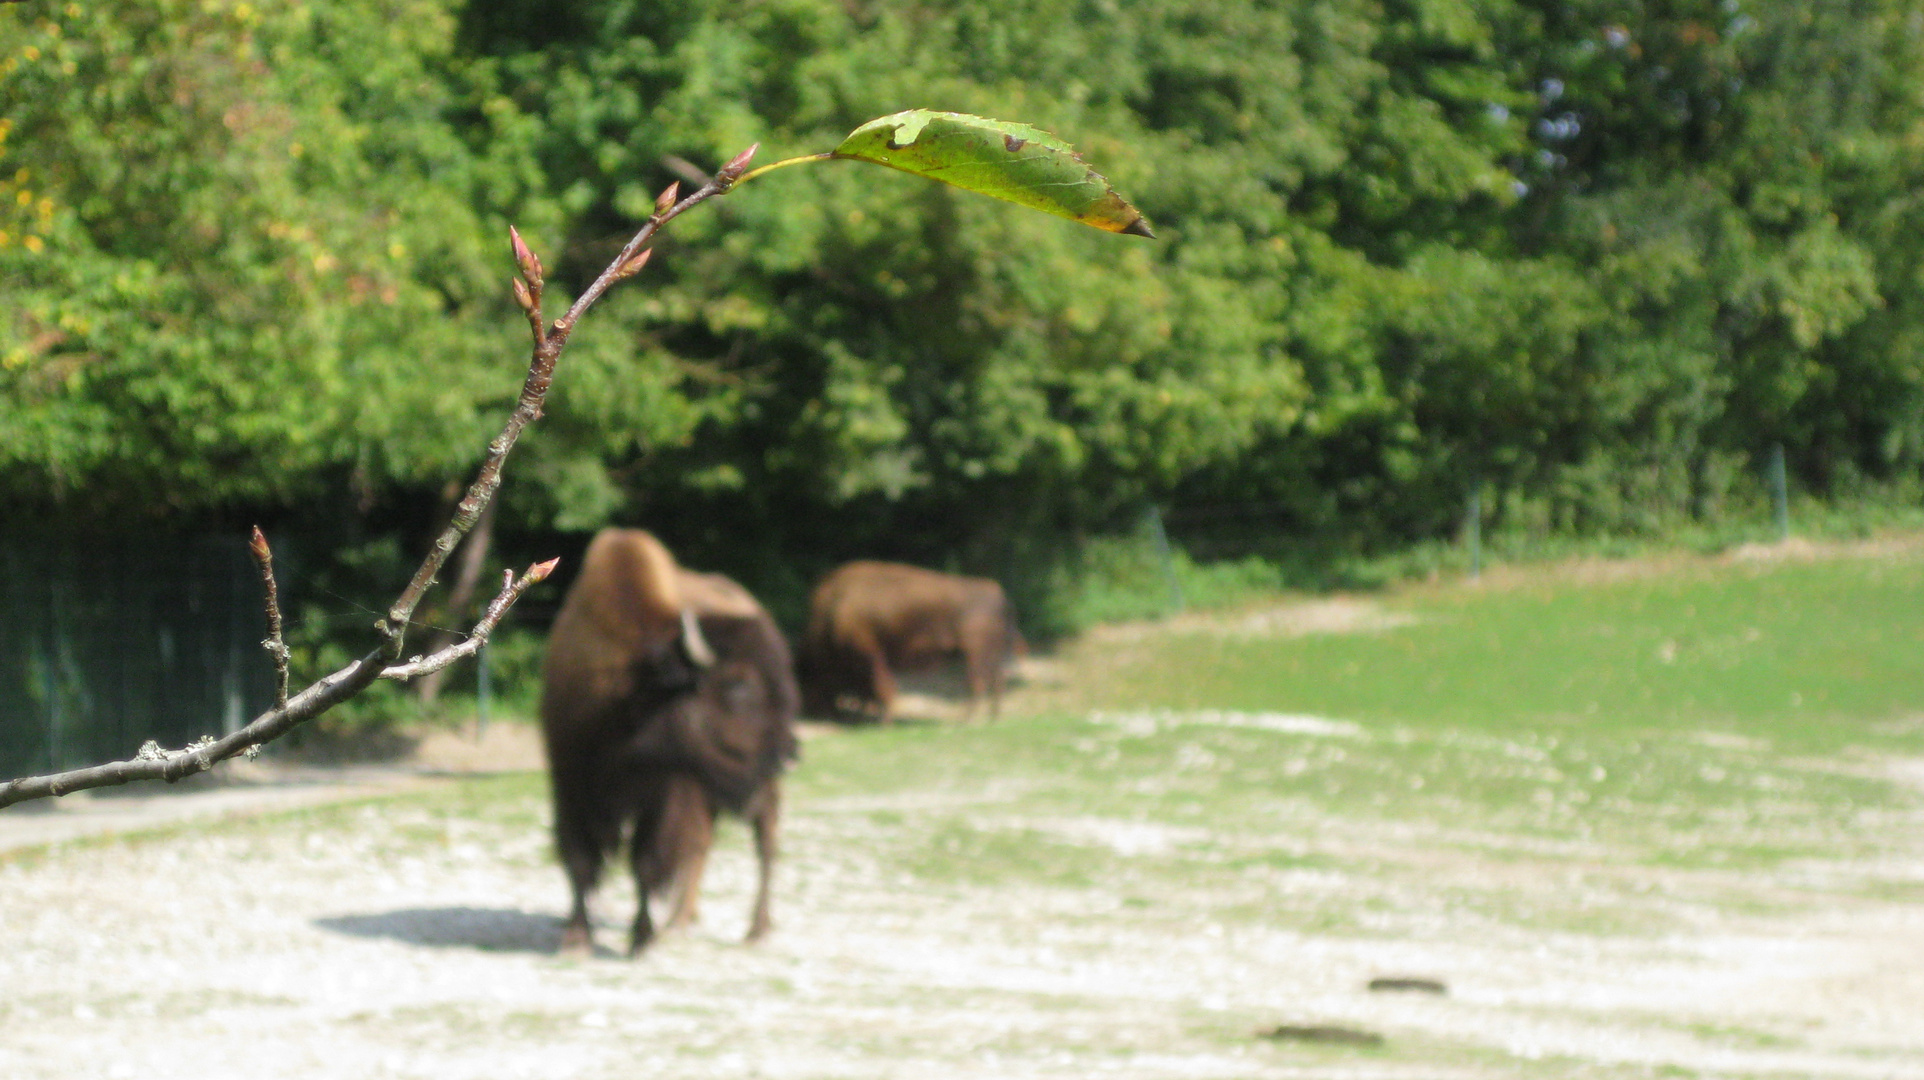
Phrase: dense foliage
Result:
[1591,259]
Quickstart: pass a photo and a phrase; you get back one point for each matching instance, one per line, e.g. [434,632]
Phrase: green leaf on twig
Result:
[991,157]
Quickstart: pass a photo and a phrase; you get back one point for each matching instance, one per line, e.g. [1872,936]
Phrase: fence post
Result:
[50,678]
[1164,555]
[1473,529]
[233,708]
[482,693]
[1779,490]
[50,713]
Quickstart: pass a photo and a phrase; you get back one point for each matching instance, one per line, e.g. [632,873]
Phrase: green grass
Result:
[1813,656]
[1695,716]
[1221,816]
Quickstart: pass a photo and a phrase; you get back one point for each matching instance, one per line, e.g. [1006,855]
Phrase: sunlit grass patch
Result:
[1222,808]
[1272,819]
[1804,655]
[957,849]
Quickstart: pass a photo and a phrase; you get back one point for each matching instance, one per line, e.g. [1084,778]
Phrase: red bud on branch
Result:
[258,545]
[523,297]
[732,171]
[540,571]
[666,199]
[525,259]
[633,266]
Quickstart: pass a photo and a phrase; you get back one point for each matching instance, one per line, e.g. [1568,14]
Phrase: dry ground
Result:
[406,933]
[397,939]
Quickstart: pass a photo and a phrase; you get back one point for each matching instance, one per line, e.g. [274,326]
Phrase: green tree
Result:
[890,378]
[1592,257]
[1731,172]
[246,258]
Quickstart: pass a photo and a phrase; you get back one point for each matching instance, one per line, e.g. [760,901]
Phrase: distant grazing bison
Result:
[668,696]
[868,619]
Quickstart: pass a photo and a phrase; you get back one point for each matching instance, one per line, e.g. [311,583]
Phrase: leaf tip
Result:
[1138,227]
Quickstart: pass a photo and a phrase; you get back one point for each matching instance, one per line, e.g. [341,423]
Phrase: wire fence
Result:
[105,644]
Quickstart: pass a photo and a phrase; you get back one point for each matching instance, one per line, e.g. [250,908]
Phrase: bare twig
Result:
[474,555]
[153,763]
[276,648]
[684,168]
[511,590]
[534,391]
[157,764]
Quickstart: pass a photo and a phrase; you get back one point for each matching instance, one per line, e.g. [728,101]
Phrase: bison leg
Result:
[820,670]
[996,676]
[985,656]
[578,938]
[764,813]
[581,853]
[687,834]
[584,868]
[645,858]
[872,659]
[976,665]
[882,683]
[671,838]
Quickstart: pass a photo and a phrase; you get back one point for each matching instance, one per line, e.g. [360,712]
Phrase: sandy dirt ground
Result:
[395,939]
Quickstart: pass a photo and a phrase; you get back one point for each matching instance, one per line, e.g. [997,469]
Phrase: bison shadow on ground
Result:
[489,929]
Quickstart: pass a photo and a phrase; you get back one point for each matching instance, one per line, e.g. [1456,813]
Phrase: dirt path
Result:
[240,789]
[411,937]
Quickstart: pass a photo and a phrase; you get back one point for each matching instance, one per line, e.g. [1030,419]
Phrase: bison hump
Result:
[628,593]
[716,594]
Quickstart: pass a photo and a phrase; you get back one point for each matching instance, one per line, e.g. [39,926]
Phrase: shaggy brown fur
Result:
[652,731]
[868,619]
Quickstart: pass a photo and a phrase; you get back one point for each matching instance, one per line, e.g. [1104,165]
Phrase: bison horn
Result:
[692,642]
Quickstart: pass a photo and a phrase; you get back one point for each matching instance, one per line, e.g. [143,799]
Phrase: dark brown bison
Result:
[668,697]
[869,619]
